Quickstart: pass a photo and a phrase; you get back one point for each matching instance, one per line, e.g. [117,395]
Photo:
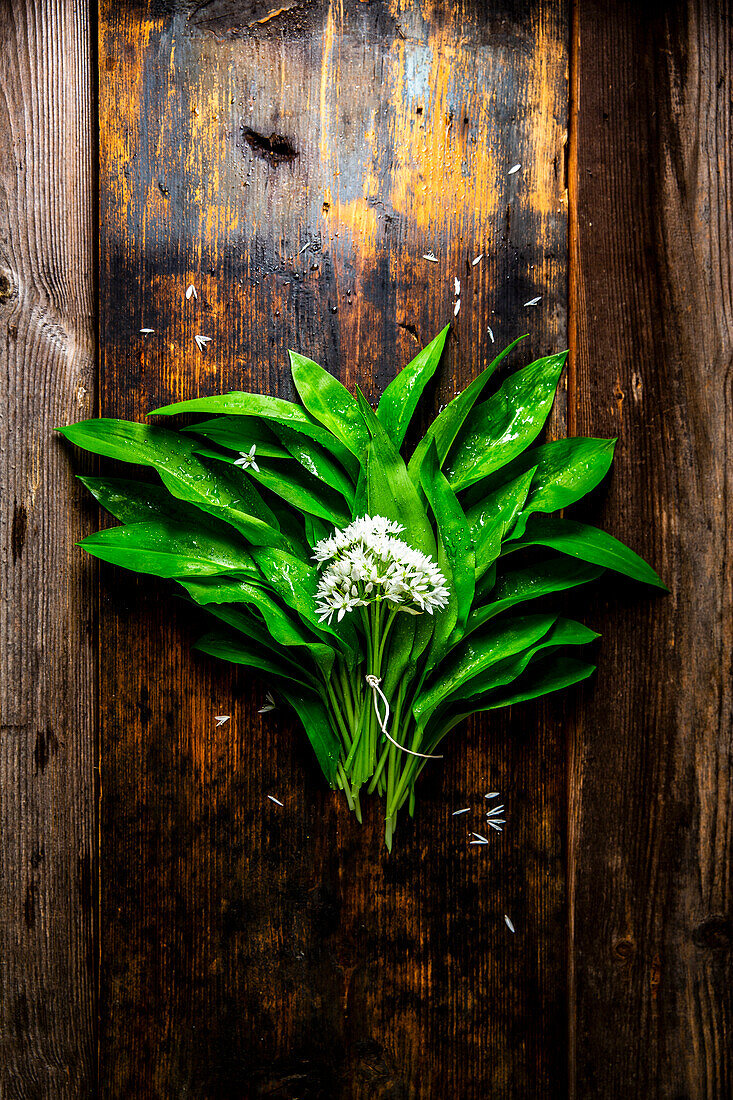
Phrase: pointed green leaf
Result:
[228,646]
[449,422]
[314,717]
[478,654]
[499,429]
[555,575]
[270,409]
[399,401]
[168,549]
[565,471]
[456,556]
[239,434]
[490,520]
[316,461]
[578,540]
[329,402]
[139,501]
[390,492]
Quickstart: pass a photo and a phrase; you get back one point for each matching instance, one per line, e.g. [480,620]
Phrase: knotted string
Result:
[377,694]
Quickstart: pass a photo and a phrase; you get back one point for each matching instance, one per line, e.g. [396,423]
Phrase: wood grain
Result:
[47,685]
[295,165]
[651,811]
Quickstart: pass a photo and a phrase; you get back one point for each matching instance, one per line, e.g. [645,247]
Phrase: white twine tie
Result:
[377,694]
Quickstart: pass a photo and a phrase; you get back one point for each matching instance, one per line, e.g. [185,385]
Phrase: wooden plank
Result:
[651,820]
[47,685]
[247,949]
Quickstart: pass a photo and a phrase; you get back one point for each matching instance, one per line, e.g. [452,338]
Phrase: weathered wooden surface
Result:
[47,606]
[250,950]
[650,778]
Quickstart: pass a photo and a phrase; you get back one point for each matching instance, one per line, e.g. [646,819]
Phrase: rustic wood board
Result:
[651,761]
[48,838]
[249,950]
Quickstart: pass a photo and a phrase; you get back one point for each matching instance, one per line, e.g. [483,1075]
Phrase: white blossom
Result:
[367,563]
[247,459]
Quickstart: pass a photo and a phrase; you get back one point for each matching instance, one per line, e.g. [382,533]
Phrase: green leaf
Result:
[279,629]
[390,492]
[295,583]
[239,433]
[130,442]
[555,575]
[542,678]
[316,461]
[565,632]
[182,473]
[448,423]
[314,717]
[139,501]
[329,402]
[490,520]
[168,549]
[564,472]
[228,646]
[499,429]
[477,655]
[456,556]
[316,530]
[399,401]
[273,409]
[303,492]
[578,540]
[284,630]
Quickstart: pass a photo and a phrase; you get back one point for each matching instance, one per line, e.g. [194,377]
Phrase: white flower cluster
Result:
[366,563]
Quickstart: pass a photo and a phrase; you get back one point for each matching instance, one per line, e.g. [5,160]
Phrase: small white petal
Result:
[202,341]
[493,794]
[220,719]
[429,256]
[147,330]
[457,812]
[491,335]
[191,292]
[481,838]
[509,924]
[534,301]
[457,285]
[513,169]
[275,800]
[477,260]
[456,308]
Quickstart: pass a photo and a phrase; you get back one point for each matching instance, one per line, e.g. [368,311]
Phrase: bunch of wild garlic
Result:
[376,594]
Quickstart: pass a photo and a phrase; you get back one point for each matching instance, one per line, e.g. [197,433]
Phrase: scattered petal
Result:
[306,245]
[268,705]
[493,794]
[191,292]
[220,719]
[491,334]
[202,341]
[457,285]
[147,330]
[477,260]
[478,842]
[479,838]
[457,812]
[457,307]
[509,924]
[430,256]
[513,169]
[275,800]
[534,301]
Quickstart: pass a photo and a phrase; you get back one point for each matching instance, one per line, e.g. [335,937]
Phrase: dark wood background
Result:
[165,930]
